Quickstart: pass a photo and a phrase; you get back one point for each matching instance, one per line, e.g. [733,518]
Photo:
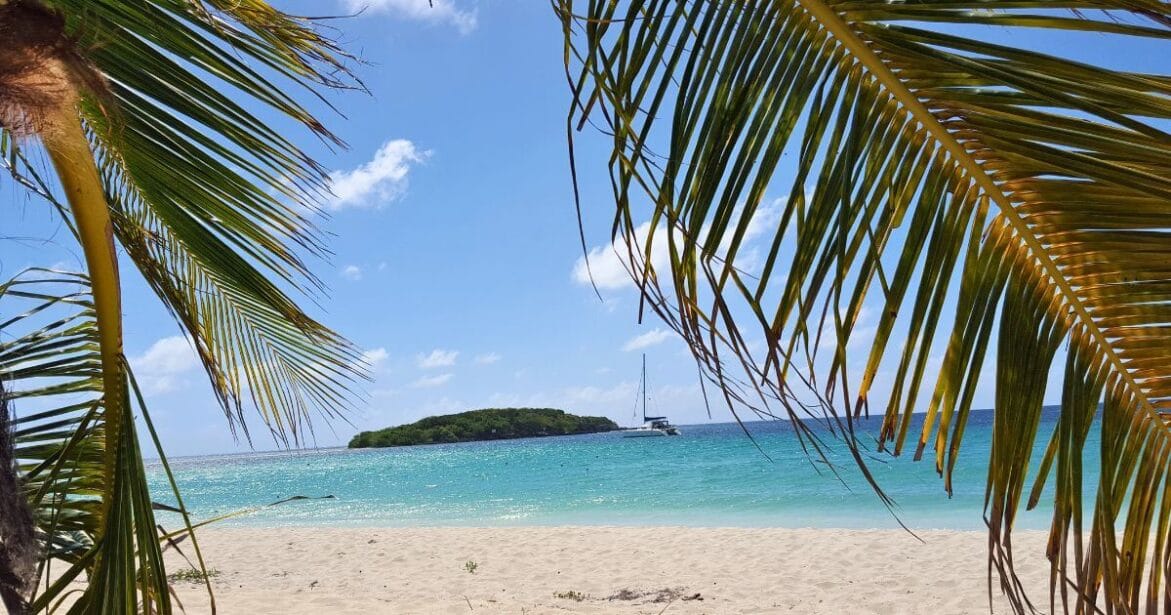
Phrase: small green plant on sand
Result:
[576,596]
[193,575]
[471,567]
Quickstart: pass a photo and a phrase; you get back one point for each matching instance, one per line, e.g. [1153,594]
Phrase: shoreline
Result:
[600,569]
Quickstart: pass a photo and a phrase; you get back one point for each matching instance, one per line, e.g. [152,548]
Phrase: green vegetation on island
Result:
[486,424]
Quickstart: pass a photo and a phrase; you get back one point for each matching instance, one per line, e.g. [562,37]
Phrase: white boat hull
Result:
[643,433]
[652,426]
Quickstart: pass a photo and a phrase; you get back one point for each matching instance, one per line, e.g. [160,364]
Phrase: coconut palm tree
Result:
[148,115]
[930,172]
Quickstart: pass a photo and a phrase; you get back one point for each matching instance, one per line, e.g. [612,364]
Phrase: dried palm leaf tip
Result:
[41,69]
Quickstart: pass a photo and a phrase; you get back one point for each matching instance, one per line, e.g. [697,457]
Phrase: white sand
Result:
[519,570]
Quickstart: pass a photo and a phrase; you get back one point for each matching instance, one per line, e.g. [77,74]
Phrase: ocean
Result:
[713,475]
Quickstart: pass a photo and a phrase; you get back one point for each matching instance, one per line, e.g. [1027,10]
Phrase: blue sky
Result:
[455,240]
[456,261]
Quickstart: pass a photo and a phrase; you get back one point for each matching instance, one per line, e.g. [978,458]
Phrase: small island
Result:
[486,424]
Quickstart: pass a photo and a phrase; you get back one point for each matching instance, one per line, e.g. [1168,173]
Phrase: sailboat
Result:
[652,426]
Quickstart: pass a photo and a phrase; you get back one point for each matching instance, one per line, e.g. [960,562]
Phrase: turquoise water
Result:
[712,475]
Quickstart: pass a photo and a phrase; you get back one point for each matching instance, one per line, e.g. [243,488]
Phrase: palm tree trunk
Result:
[18,547]
[73,160]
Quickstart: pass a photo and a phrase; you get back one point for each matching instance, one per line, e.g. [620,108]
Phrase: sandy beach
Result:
[531,570]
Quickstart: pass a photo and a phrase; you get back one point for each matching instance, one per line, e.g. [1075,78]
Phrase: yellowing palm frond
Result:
[930,168]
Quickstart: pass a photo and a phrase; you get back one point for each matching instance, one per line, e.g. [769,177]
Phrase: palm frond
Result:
[51,368]
[213,204]
[929,169]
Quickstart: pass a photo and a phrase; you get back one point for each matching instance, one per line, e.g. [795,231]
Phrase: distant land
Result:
[486,424]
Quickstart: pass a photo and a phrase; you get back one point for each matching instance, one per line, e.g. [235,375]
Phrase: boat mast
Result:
[644,387]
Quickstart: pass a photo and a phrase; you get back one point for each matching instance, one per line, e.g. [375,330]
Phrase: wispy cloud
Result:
[611,264]
[487,359]
[352,273]
[381,180]
[163,367]
[64,265]
[429,382]
[437,358]
[648,339]
[375,357]
[435,11]
[585,396]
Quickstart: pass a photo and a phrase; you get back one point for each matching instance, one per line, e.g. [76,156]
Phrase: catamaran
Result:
[652,426]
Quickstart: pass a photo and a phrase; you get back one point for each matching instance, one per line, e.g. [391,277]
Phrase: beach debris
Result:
[193,575]
[297,498]
[164,507]
[695,596]
[667,594]
[471,566]
[576,596]
[626,594]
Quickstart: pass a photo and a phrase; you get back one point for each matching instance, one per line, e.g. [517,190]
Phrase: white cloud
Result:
[428,382]
[488,359]
[435,11]
[381,180]
[161,369]
[648,339]
[437,358]
[619,401]
[596,399]
[375,357]
[621,392]
[611,265]
[678,392]
[352,273]
[862,336]
[443,405]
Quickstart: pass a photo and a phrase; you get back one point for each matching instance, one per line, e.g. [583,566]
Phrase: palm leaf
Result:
[930,169]
[50,364]
[212,204]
